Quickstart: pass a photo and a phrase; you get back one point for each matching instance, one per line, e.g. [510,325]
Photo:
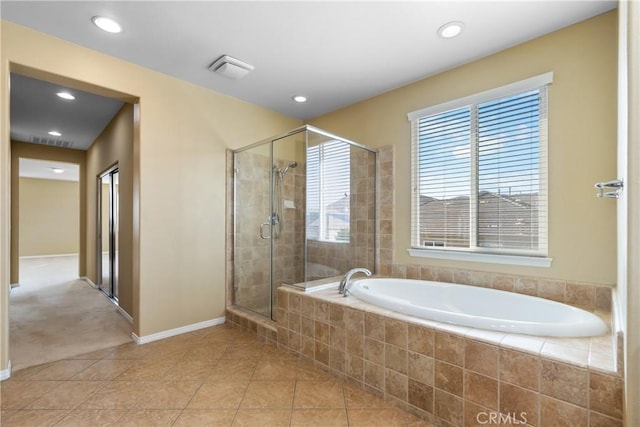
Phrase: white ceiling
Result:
[36,110]
[335,53]
[43,169]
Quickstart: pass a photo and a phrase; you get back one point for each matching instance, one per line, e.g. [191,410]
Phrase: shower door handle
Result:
[262,235]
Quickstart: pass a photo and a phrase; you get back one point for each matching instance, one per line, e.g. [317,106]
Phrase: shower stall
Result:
[304,208]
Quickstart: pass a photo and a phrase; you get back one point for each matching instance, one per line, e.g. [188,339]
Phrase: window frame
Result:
[536,258]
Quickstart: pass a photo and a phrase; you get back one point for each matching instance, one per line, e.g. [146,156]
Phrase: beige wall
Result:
[42,152]
[582,141]
[49,217]
[114,146]
[180,138]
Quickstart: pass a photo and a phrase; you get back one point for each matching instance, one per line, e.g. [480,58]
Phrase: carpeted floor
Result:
[53,315]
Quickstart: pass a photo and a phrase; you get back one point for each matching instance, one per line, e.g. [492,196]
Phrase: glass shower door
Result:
[288,212]
[252,223]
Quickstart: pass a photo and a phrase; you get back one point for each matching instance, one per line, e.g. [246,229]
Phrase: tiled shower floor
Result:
[219,376]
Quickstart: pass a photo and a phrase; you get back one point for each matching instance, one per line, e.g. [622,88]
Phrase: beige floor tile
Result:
[107,369]
[205,417]
[252,350]
[148,418]
[147,370]
[190,370]
[206,352]
[116,395]
[94,355]
[167,395]
[69,395]
[25,373]
[219,395]
[61,370]
[91,417]
[270,351]
[226,378]
[165,351]
[129,351]
[31,417]
[307,372]
[319,394]
[275,369]
[319,417]
[262,417]
[268,394]
[18,394]
[371,417]
[358,398]
[233,369]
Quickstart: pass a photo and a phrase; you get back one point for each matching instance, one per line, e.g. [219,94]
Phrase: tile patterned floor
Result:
[217,376]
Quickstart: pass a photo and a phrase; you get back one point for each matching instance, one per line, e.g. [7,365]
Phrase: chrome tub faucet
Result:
[344,283]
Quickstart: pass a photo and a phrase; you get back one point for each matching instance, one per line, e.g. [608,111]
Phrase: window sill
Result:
[528,261]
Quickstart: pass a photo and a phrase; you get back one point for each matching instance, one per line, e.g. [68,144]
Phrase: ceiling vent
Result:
[231,67]
[52,142]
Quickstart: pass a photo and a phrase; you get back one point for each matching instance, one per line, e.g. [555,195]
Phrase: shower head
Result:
[291,165]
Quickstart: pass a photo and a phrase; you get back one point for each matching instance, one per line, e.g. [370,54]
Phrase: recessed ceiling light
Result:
[299,98]
[57,170]
[450,29]
[107,24]
[66,95]
[54,133]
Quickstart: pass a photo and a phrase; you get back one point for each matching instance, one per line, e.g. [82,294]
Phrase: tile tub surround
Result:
[448,374]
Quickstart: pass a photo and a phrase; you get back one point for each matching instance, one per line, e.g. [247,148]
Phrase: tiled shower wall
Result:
[252,253]
[326,259]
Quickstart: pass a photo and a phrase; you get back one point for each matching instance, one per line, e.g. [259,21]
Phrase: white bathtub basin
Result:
[478,307]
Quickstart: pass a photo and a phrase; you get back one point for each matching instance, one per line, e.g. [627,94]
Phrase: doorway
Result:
[108,230]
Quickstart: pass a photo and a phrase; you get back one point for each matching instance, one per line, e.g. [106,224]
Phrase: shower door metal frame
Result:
[271,141]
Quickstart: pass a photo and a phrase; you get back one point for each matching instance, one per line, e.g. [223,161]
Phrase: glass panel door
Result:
[288,212]
[253,231]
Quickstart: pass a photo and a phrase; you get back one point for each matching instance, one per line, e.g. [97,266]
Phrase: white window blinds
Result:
[479,172]
[328,191]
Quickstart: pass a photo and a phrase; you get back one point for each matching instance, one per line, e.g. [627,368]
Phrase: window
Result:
[479,173]
[328,191]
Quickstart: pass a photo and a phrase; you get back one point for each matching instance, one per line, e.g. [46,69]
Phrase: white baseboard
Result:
[5,374]
[89,281]
[46,256]
[177,331]
[124,314]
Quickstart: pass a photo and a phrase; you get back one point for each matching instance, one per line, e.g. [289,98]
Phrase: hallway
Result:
[55,315]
